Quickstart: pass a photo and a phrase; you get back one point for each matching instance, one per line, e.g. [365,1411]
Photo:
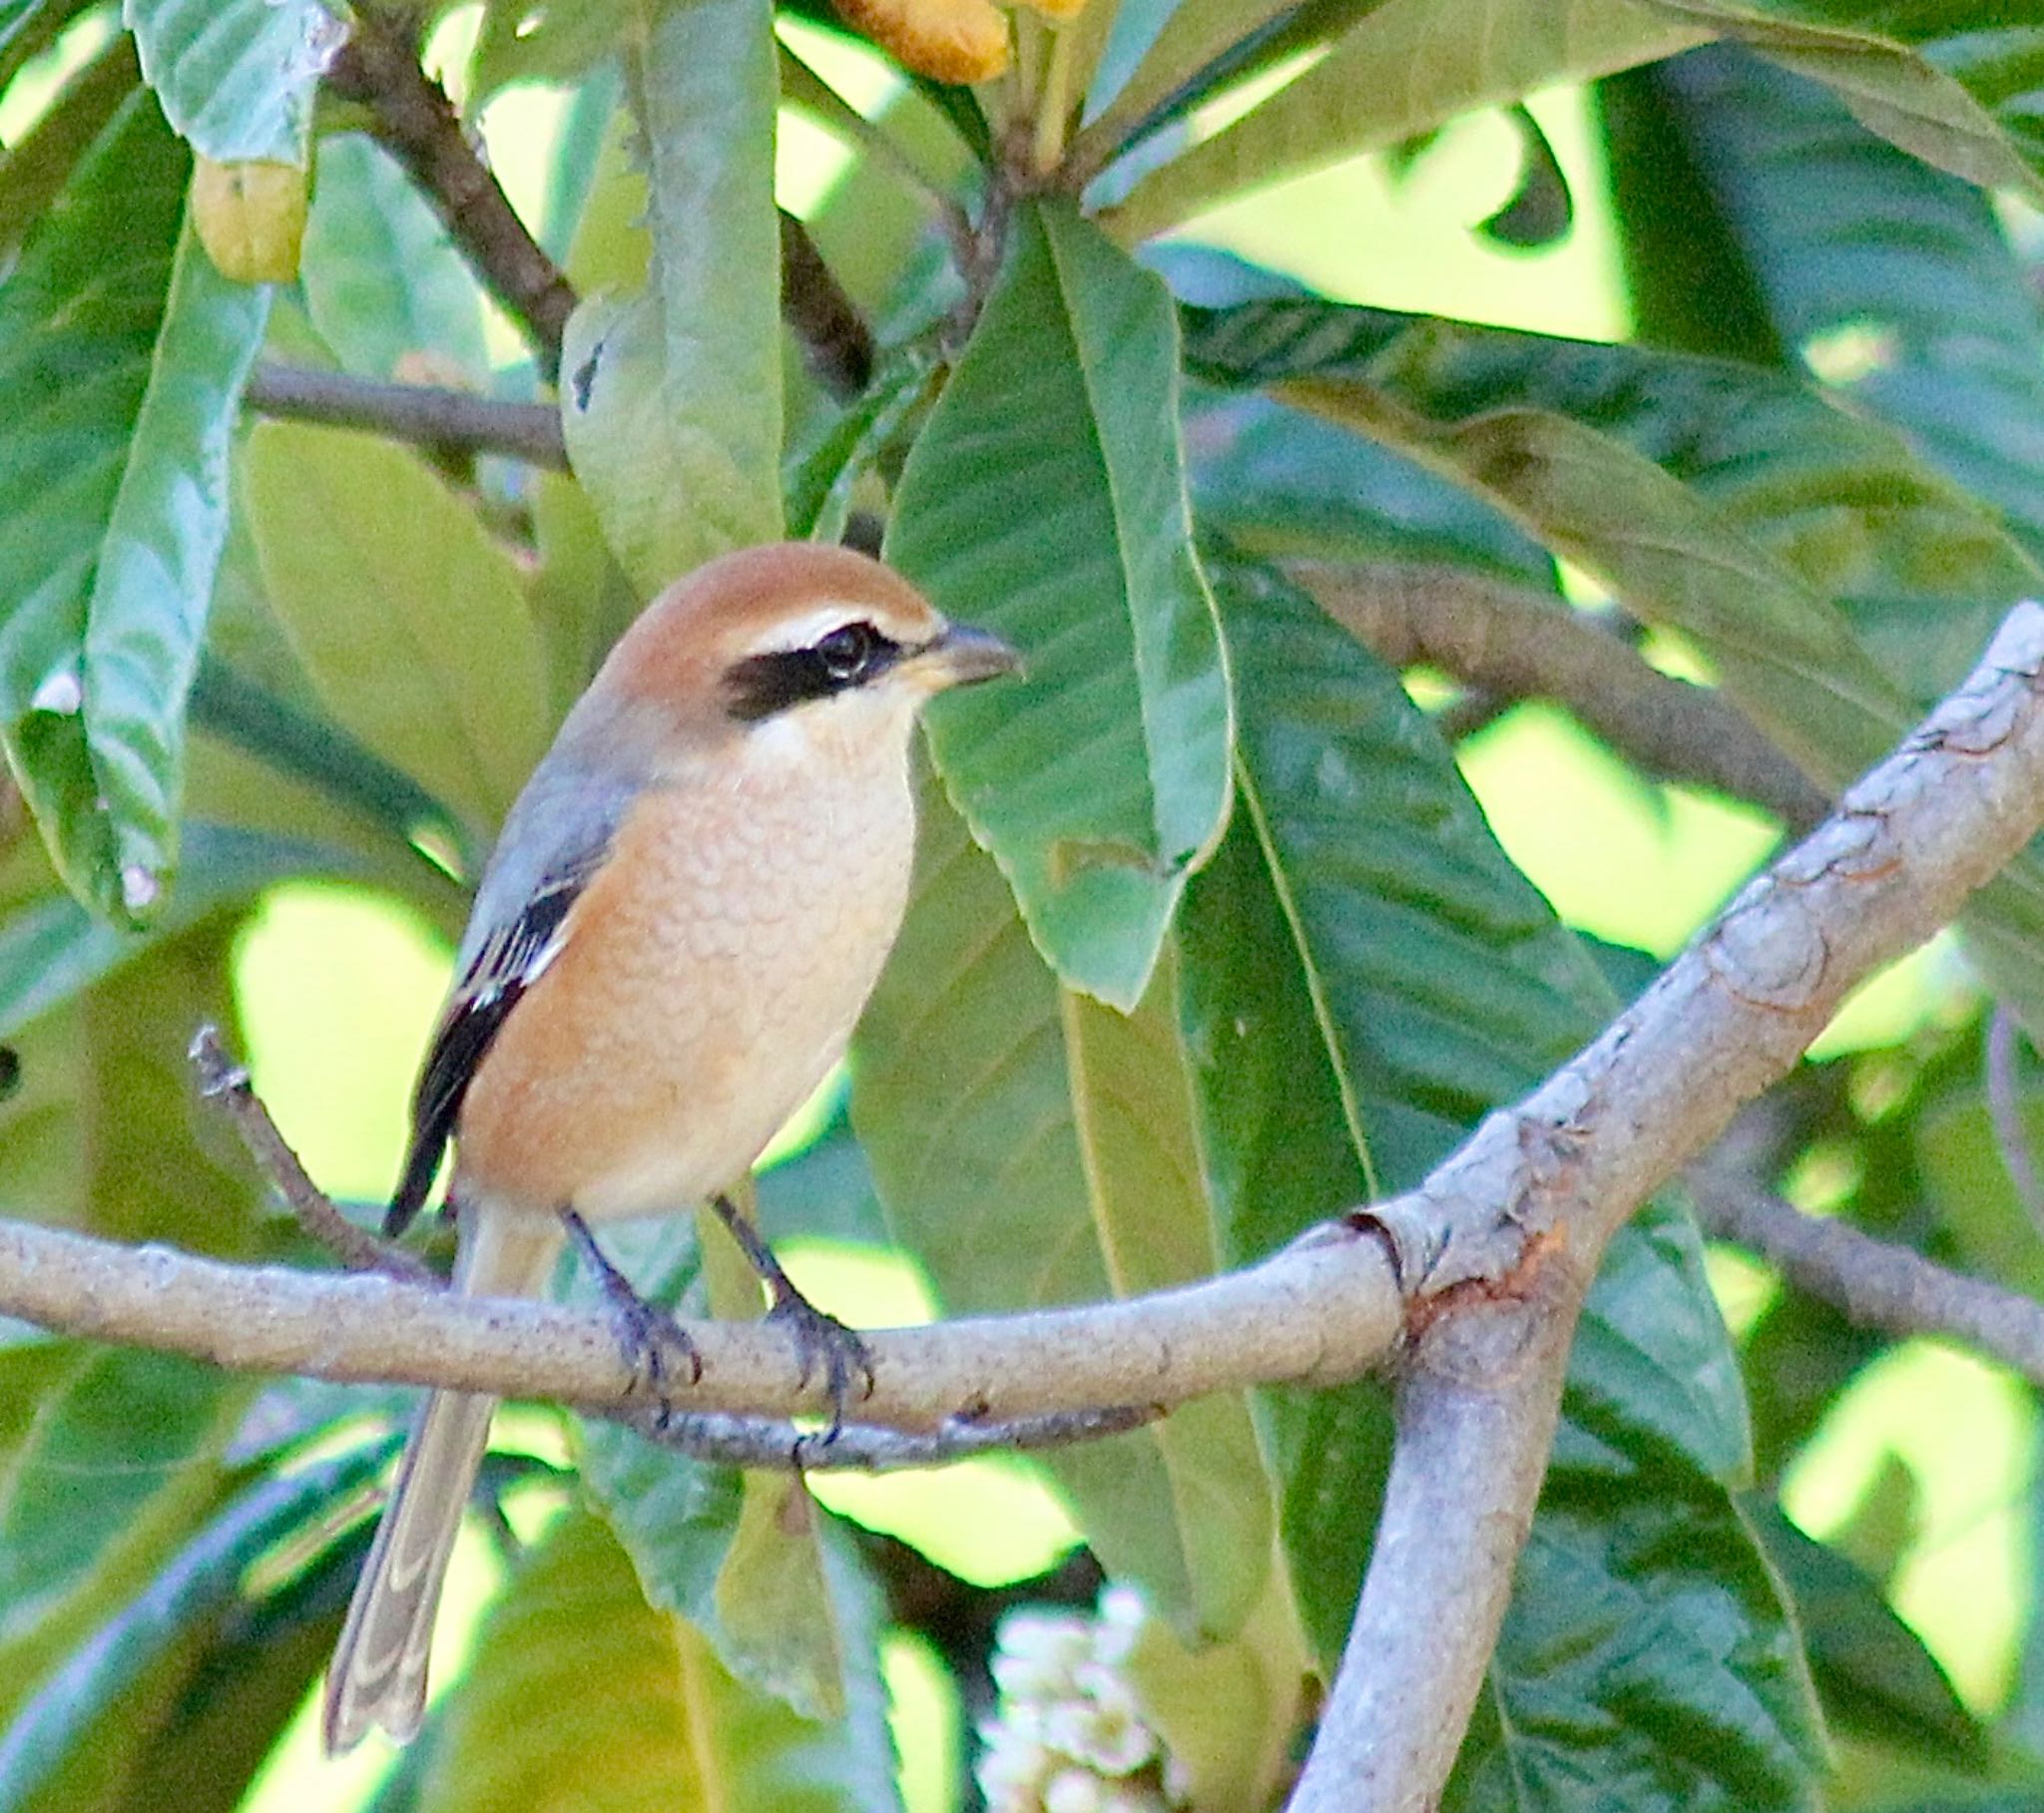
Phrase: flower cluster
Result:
[1068,1733]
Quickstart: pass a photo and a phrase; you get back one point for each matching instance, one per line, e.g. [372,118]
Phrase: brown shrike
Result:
[691,901]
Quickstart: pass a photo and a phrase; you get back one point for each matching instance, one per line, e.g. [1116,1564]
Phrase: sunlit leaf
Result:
[408,618]
[383,282]
[1033,1146]
[542,41]
[583,1694]
[1046,499]
[671,399]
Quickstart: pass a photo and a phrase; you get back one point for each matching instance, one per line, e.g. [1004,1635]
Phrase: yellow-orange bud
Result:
[946,40]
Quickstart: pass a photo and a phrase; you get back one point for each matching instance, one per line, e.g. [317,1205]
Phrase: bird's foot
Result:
[825,1344]
[648,1334]
[821,1343]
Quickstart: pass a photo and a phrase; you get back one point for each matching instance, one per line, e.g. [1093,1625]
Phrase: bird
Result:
[688,904]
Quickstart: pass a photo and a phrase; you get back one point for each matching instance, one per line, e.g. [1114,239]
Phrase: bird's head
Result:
[821,644]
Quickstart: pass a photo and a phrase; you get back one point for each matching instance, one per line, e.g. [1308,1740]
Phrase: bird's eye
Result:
[848,651]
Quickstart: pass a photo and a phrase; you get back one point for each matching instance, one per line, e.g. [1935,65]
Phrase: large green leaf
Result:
[235,77]
[152,583]
[1033,1146]
[1046,499]
[741,1554]
[1844,244]
[582,1695]
[410,621]
[1366,972]
[1732,504]
[383,282]
[107,1460]
[68,1714]
[1955,86]
[671,398]
[80,317]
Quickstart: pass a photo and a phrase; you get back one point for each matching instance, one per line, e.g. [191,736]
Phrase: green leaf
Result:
[1405,67]
[152,583]
[671,399]
[1366,972]
[1046,499]
[1644,468]
[1850,247]
[106,1459]
[79,324]
[409,620]
[1032,1147]
[820,484]
[542,41]
[1948,85]
[235,77]
[383,282]
[198,1583]
[34,170]
[1877,1680]
[739,1555]
[669,1726]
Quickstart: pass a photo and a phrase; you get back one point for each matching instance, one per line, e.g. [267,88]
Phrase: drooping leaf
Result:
[409,620]
[34,170]
[671,398]
[582,1693]
[1033,1146]
[152,582]
[383,283]
[1044,499]
[820,484]
[235,77]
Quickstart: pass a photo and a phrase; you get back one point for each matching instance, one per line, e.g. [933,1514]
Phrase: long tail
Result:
[378,1672]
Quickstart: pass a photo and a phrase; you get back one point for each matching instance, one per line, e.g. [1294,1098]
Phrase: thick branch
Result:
[1518,644]
[1961,796]
[450,421]
[379,67]
[1873,1283]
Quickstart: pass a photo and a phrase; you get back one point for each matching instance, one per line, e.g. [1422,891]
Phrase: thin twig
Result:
[425,414]
[1520,643]
[1873,1283]
[772,1442]
[378,68]
[838,345]
[224,1083]
[2005,1109]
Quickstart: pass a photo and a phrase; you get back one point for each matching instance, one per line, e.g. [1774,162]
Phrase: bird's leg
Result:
[820,1340]
[646,1331]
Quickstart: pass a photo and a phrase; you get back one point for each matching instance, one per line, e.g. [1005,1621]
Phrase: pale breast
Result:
[711,975]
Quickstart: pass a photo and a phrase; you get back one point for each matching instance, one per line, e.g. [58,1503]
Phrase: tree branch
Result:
[1872,1283]
[378,68]
[836,342]
[1476,1406]
[424,415]
[1491,1256]
[1519,644]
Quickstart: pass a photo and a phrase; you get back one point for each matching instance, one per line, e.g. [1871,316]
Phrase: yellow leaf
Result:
[251,217]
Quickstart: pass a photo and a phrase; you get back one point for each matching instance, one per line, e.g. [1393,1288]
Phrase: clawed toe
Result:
[647,1335]
[824,1343]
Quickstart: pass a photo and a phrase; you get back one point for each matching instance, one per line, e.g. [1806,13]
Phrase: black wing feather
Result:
[506,965]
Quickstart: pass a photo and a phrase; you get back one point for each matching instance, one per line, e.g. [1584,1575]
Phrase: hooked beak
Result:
[960,656]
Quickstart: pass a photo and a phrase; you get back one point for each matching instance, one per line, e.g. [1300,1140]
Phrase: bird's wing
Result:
[520,926]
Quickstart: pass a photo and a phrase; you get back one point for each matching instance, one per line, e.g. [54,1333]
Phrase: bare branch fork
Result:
[1486,1263]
